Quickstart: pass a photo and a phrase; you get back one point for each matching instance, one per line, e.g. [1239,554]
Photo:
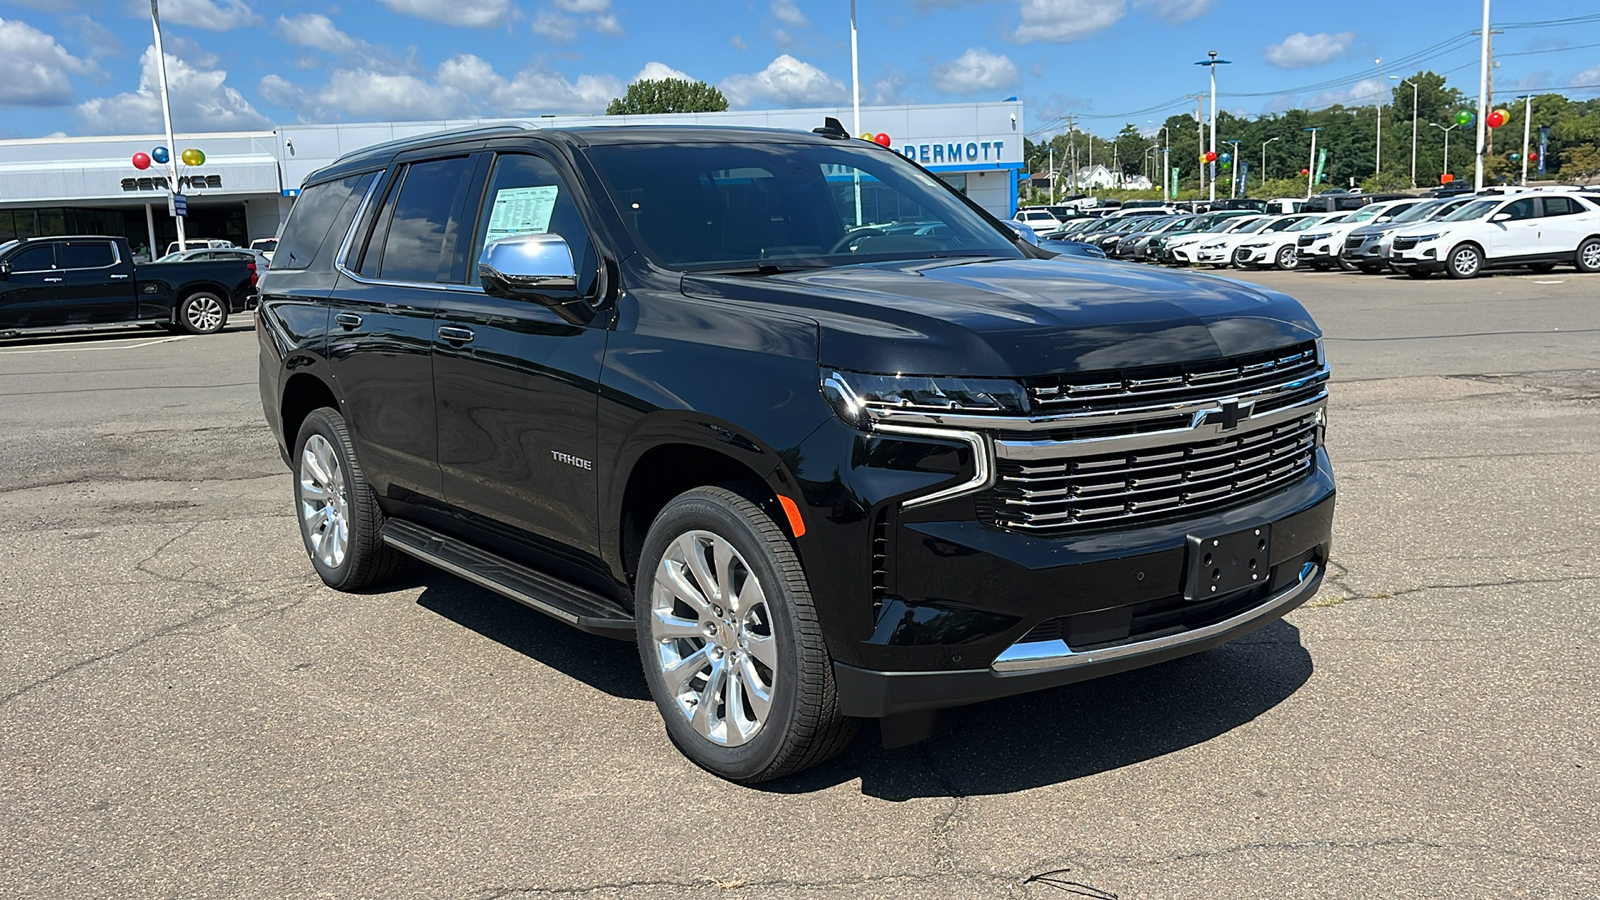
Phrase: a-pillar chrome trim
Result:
[1037,656]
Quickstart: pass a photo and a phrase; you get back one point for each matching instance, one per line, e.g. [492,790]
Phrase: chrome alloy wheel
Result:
[1465,262]
[713,638]
[324,502]
[204,313]
[1591,256]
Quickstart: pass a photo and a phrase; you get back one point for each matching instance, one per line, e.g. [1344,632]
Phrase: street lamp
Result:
[1446,143]
[1264,160]
[1167,140]
[1233,178]
[1527,121]
[1413,124]
[166,118]
[1211,63]
[1311,169]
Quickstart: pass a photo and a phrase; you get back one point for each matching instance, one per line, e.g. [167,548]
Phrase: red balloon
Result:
[1496,119]
[1211,156]
[1532,156]
[1305,171]
[141,160]
[1446,178]
[881,139]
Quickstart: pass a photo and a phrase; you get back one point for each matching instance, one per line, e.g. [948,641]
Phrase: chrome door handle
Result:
[119,276]
[52,279]
[455,335]
[347,321]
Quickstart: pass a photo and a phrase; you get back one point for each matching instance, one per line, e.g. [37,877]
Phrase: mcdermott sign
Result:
[953,152]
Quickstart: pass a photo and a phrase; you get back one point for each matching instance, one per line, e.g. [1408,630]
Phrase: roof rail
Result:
[418,140]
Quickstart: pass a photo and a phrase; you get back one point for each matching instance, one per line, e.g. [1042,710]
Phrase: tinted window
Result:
[419,243]
[86,255]
[1560,206]
[1521,209]
[323,209]
[35,259]
[527,195]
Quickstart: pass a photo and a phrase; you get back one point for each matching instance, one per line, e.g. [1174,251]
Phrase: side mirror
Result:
[1024,232]
[536,267]
[1500,217]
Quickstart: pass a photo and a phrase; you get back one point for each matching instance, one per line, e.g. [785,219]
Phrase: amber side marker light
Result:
[796,524]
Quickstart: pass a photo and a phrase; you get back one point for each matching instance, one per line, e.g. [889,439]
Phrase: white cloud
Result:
[1174,12]
[786,12]
[466,13]
[974,71]
[201,101]
[1299,50]
[786,81]
[319,33]
[738,43]
[585,7]
[655,71]
[607,25]
[1363,93]
[556,27]
[212,15]
[531,91]
[1587,76]
[34,68]
[1062,21]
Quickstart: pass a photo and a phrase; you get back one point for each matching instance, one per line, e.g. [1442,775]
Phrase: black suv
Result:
[695,387]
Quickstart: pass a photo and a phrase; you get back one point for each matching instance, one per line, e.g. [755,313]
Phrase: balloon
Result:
[1225,157]
[160,155]
[1533,156]
[866,135]
[141,160]
[1305,171]
[1496,118]
[1464,117]
[1211,156]
[1446,178]
[192,157]
[881,139]
[1516,156]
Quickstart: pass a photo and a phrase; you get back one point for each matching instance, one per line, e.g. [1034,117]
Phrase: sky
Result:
[76,67]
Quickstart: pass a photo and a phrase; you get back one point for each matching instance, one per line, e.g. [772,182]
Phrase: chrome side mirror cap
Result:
[536,267]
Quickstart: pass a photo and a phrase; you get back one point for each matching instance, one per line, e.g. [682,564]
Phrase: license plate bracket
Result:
[1219,565]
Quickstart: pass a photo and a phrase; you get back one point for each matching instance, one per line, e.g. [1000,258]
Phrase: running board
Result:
[579,607]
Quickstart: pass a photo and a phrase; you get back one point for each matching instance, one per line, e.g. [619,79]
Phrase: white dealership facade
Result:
[248,182]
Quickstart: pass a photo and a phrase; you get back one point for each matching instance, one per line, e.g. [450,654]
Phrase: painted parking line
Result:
[104,345]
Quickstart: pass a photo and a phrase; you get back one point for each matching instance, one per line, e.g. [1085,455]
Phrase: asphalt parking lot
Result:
[186,711]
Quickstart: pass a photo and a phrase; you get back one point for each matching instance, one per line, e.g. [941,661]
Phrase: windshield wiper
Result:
[762,269]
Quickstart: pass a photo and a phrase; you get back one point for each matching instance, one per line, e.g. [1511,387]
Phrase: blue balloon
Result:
[160,155]
[1226,156]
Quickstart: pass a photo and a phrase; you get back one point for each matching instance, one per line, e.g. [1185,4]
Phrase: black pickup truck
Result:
[697,388]
[87,281]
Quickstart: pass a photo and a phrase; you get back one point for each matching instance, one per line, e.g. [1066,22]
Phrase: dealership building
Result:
[246,186]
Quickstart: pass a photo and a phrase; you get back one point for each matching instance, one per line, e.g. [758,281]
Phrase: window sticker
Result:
[525,210]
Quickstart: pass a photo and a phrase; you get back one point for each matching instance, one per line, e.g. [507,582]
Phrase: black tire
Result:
[1346,265]
[1542,268]
[367,560]
[202,312]
[1287,258]
[1418,273]
[1464,261]
[1587,259]
[803,726]
[1373,268]
[1321,265]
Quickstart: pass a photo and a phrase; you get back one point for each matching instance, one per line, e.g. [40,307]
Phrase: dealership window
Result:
[957,180]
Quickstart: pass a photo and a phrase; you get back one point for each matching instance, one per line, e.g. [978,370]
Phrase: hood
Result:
[1019,317]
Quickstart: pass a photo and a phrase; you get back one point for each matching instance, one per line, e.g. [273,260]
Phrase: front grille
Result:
[1403,243]
[1131,388]
[1241,254]
[1303,241]
[1354,242]
[1053,496]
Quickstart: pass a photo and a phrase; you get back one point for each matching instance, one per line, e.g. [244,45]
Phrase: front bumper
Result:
[1418,259]
[1069,602]
[1252,256]
[1215,256]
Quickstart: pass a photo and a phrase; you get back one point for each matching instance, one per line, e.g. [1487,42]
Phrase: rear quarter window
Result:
[322,215]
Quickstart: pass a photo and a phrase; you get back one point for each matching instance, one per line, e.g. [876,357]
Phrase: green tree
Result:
[667,95]
[1581,163]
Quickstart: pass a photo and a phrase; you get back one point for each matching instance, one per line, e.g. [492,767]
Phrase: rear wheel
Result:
[340,521]
[730,642]
[1588,256]
[1288,258]
[1466,261]
[202,313]
[1542,268]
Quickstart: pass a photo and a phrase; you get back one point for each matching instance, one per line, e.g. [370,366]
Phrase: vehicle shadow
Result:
[1078,730]
[112,334]
[602,663]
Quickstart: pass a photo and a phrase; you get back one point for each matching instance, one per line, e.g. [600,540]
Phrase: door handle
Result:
[347,321]
[455,335]
[119,276]
[52,279]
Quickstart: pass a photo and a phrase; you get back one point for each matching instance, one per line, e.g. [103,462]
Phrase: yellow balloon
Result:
[193,157]
[866,135]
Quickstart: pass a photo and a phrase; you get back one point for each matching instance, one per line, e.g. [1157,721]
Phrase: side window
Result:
[87,255]
[38,258]
[420,234]
[1560,206]
[323,209]
[527,195]
[1522,209]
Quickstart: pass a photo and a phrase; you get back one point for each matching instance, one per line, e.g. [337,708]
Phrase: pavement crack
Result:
[734,883]
[1395,595]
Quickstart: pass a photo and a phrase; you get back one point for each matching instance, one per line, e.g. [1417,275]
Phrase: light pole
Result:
[1413,124]
[1483,99]
[1211,63]
[1167,138]
[1377,166]
[1233,177]
[1264,160]
[1446,143]
[1527,120]
[1311,169]
[166,118]
[855,99]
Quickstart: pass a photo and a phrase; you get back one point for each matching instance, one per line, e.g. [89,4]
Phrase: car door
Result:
[97,283]
[1518,234]
[1562,225]
[31,285]
[517,386]
[380,344]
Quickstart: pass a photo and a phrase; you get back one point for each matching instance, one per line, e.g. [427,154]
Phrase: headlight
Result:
[854,396]
[1252,246]
[1424,238]
[1320,235]
[1211,246]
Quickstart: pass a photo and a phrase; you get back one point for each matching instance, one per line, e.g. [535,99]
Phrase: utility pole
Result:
[1527,122]
[1072,149]
[1052,174]
[1200,127]
[1413,124]
[1377,167]
[1483,100]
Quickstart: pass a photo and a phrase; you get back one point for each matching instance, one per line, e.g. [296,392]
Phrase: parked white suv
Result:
[1539,231]
[1038,218]
[1321,248]
[1279,248]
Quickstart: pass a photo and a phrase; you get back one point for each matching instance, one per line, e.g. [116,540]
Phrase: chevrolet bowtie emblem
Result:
[1227,414]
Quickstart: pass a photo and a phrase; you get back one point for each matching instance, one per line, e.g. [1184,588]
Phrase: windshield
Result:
[1420,211]
[1224,224]
[1174,224]
[1366,213]
[1477,209]
[7,246]
[1305,223]
[1238,226]
[1282,224]
[1445,209]
[174,257]
[705,206]
[1252,226]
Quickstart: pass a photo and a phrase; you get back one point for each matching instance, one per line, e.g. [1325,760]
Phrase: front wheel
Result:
[202,313]
[730,642]
[1466,261]
[1588,256]
[1288,258]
